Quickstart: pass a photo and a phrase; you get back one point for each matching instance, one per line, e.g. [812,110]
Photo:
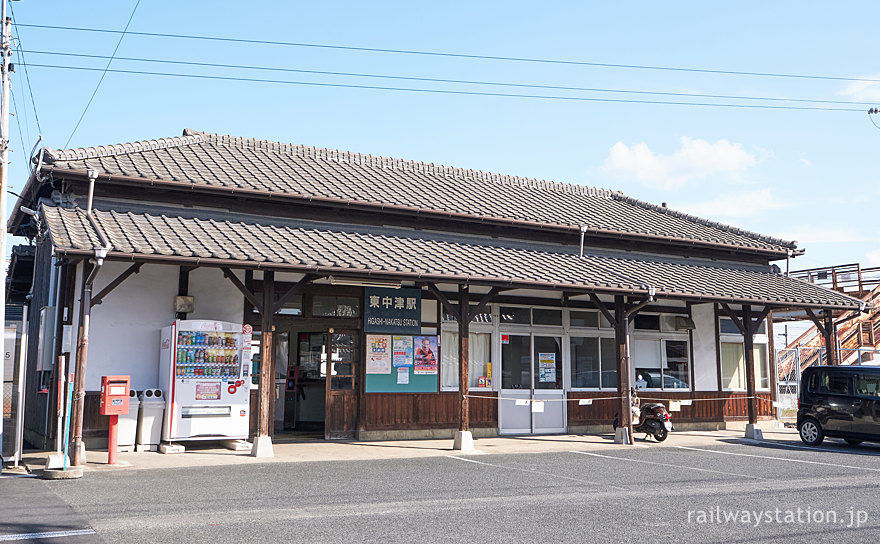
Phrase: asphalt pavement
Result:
[720,490]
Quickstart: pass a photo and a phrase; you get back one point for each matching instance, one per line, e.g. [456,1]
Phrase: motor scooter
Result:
[651,418]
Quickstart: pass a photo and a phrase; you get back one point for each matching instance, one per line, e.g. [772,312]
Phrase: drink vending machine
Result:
[203,368]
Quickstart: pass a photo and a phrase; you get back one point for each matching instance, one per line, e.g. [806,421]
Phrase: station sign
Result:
[393,311]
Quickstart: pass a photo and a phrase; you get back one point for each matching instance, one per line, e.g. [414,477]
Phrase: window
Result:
[733,366]
[868,386]
[541,316]
[647,322]
[332,306]
[727,326]
[835,385]
[583,319]
[480,365]
[584,361]
[483,317]
[608,360]
[512,314]
[662,364]
[294,306]
[547,357]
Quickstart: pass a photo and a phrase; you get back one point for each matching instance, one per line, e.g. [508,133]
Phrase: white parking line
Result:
[788,459]
[536,472]
[811,448]
[668,465]
[50,534]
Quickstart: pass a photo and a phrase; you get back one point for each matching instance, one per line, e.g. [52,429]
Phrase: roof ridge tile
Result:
[51,156]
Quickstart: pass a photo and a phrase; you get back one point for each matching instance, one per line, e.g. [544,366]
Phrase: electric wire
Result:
[872,121]
[17,120]
[450,91]
[103,74]
[453,55]
[442,80]
[26,75]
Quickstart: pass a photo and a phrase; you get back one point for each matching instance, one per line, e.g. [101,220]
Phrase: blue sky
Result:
[811,176]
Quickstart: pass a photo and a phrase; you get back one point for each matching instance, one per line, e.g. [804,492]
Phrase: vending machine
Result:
[203,368]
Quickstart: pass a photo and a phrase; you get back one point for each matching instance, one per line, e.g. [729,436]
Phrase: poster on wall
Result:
[426,355]
[546,367]
[403,375]
[402,351]
[378,354]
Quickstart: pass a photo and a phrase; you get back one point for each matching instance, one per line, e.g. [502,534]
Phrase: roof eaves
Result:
[699,220]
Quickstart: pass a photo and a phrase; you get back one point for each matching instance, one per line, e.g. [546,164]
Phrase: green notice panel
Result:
[387,383]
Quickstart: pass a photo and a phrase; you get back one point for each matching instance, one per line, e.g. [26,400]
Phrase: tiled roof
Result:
[297,171]
[418,255]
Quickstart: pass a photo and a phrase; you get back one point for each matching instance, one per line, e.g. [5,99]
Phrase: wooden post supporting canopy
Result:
[263,441]
[464,356]
[749,355]
[621,341]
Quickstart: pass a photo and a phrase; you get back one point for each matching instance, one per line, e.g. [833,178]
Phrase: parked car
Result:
[840,402]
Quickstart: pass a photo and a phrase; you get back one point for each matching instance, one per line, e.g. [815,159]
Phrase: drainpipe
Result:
[93,175]
[583,230]
[82,347]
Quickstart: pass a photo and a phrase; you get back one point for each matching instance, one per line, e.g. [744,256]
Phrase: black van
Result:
[841,402]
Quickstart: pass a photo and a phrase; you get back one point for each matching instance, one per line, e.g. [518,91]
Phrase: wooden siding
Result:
[707,406]
[405,411]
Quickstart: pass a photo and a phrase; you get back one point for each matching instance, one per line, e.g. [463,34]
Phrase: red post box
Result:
[114,401]
[114,395]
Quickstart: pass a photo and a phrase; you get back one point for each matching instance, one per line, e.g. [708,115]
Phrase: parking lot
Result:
[695,487]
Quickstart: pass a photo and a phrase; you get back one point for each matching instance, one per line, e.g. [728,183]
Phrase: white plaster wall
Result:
[705,359]
[215,297]
[124,329]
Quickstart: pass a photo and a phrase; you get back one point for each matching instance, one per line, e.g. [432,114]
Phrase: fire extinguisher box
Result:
[114,395]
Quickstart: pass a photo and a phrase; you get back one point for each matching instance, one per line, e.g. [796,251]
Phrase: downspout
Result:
[83,333]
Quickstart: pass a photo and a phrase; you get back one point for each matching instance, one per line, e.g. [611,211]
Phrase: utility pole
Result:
[5,52]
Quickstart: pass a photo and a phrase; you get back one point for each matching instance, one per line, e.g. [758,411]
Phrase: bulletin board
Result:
[401,371]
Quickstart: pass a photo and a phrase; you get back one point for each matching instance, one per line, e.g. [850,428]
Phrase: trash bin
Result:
[127,428]
[150,416]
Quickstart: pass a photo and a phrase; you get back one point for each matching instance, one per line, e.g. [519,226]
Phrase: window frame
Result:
[759,340]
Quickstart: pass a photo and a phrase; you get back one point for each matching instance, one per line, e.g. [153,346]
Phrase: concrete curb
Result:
[71,473]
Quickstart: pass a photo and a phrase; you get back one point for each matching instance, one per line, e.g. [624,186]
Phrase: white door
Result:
[548,410]
[532,394]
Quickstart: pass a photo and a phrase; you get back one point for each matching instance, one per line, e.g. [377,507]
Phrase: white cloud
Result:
[863,91]
[697,159]
[824,235]
[742,204]
[872,258]
[806,162]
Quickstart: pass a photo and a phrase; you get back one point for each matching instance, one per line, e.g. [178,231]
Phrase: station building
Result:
[541,303]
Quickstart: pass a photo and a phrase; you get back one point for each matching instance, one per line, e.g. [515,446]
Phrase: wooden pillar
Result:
[82,350]
[464,357]
[749,355]
[830,340]
[182,286]
[267,354]
[621,340]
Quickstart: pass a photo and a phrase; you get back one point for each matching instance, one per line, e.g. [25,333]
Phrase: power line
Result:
[450,91]
[26,75]
[17,121]
[104,73]
[454,55]
[441,80]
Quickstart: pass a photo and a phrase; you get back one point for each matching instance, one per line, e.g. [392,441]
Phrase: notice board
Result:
[404,375]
